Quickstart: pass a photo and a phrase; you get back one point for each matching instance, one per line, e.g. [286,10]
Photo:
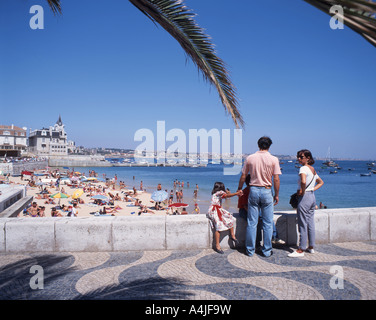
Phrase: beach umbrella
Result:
[100,197]
[59,195]
[159,195]
[78,193]
[178,205]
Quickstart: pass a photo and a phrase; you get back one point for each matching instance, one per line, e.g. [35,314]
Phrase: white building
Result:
[13,140]
[50,142]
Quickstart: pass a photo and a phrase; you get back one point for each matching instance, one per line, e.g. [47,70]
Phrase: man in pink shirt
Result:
[264,170]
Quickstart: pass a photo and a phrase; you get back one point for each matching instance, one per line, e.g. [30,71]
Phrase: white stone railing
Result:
[167,232]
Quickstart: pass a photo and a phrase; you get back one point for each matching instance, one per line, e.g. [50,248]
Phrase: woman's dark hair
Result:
[264,143]
[218,186]
[307,154]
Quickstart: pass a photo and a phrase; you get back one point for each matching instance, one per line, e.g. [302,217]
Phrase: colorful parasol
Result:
[178,205]
[78,193]
[59,195]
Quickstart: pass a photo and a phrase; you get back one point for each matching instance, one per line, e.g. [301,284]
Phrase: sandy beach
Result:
[89,208]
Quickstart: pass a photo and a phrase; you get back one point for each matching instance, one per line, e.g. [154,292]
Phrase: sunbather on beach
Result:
[107,210]
[55,213]
[33,210]
[158,206]
[144,209]
[41,211]
[49,201]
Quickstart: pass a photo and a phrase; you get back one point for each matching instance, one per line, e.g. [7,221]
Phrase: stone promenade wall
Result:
[167,232]
[17,167]
[78,161]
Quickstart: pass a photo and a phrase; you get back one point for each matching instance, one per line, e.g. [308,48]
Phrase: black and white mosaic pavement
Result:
[343,271]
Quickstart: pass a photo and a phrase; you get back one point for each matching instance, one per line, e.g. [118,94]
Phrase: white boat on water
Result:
[365,174]
[329,162]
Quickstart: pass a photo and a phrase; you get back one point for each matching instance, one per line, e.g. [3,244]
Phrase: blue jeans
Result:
[260,202]
[259,234]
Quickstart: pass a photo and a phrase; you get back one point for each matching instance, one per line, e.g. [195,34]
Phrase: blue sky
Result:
[109,71]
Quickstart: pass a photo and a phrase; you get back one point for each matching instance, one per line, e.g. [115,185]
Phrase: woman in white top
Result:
[308,182]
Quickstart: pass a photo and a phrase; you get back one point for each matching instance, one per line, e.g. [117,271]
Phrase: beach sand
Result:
[88,208]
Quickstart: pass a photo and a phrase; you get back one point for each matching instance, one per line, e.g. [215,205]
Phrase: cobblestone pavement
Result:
[342,271]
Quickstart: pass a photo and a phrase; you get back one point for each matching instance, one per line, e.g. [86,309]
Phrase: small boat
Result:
[365,174]
[333,172]
[373,171]
[330,163]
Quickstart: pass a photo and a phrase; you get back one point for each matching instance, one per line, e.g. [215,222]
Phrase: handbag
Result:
[294,198]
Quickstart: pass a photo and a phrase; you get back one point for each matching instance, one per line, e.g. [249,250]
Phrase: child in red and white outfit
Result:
[221,219]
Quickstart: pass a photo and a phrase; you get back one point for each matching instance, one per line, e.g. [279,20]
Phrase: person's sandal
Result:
[236,241]
[220,251]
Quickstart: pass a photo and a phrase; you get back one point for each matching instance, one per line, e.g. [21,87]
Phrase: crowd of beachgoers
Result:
[60,193]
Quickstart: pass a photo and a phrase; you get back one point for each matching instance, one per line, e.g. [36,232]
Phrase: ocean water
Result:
[345,189]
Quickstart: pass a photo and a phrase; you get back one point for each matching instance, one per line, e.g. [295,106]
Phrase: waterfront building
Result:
[52,141]
[13,140]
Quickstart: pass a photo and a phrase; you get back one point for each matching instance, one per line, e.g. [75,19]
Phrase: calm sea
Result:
[344,189]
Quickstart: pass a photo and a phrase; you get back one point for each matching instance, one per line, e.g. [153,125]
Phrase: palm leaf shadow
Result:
[154,288]
[15,277]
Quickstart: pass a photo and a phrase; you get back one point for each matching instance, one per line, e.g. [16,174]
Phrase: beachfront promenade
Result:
[168,232]
[170,257]
[337,271]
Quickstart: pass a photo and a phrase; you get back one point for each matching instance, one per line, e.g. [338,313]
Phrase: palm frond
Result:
[179,22]
[359,15]
[55,6]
